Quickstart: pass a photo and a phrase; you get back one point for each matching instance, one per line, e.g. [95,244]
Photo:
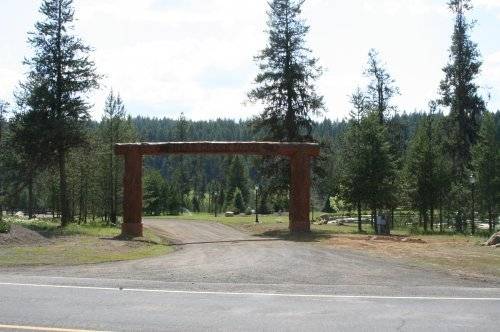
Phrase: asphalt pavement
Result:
[222,279]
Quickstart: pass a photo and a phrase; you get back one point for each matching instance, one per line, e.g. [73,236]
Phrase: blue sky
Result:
[170,56]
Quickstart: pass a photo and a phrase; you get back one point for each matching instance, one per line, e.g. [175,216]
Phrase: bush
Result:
[4,227]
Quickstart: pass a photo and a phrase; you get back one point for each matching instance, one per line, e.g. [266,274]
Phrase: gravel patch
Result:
[20,235]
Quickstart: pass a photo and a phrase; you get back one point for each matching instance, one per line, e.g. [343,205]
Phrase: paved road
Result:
[222,279]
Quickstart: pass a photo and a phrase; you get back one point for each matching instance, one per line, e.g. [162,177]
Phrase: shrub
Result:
[4,227]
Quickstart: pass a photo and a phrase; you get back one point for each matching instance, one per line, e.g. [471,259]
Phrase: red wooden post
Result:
[132,194]
[300,193]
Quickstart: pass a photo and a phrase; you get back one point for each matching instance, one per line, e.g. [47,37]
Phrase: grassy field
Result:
[75,245]
[462,255]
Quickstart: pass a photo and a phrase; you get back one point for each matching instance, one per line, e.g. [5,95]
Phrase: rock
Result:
[494,240]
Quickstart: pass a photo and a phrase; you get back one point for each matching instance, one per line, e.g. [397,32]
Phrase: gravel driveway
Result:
[211,254]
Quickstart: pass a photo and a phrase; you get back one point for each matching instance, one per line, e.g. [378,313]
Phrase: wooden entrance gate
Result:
[300,155]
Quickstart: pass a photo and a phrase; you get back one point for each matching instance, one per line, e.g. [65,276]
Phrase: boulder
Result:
[494,240]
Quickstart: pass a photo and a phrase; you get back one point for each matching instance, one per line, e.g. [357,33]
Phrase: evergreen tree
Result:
[354,165]
[381,88]
[285,86]
[114,128]
[459,91]
[60,76]
[425,169]
[237,179]
[327,207]
[486,161]
[3,110]
[238,203]
[155,191]
[180,176]
[380,164]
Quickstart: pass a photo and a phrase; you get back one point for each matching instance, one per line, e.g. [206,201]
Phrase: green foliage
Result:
[381,88]
[53,109]
[155,193]
[239,205]
[327,208]
[237,181]
[285,86]
[115,127]
[486,163]
[459,91]
[368,167]
[427,172]
[4,227]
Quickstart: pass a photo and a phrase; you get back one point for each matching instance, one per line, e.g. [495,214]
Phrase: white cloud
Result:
[192,56]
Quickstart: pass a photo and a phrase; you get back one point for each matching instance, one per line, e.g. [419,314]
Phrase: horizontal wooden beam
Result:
[249,148]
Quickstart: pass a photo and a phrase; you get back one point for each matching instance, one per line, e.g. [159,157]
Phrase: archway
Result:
[300,155]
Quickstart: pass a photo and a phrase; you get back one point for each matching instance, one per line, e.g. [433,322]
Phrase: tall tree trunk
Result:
[374,221]
[63,190]
[432,218]
[30,198]
[360,225]
[426,220]
[441,218]
[490,219]
[391,225]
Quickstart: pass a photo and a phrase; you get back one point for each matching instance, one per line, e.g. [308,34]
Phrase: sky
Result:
[165,57]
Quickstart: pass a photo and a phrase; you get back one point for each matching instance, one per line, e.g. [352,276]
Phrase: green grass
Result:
[51,228]
[239,219]
[79,244]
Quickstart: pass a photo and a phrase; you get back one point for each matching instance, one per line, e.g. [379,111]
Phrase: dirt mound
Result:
[394,238]
[21,236]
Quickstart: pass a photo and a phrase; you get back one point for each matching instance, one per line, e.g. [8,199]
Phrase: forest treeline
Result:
[173,184]
[442,164]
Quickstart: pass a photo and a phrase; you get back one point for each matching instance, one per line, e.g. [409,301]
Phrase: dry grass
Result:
[459,255]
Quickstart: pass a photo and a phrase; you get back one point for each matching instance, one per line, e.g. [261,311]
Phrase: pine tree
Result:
[155,191]
[285,86]
[381,88]
[3,110]
[238,203]
[61,73]
[486,161]
[425,169]
[114,128]
[354,166]
[459,91]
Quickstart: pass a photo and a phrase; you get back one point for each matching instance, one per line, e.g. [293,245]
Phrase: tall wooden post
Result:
[300,193]
[132,196]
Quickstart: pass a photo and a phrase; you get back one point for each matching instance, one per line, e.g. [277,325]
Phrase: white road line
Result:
[41,328]
[327,296]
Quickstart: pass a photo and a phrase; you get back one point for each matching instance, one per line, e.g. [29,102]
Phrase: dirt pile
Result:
[394,238]
[20,235]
